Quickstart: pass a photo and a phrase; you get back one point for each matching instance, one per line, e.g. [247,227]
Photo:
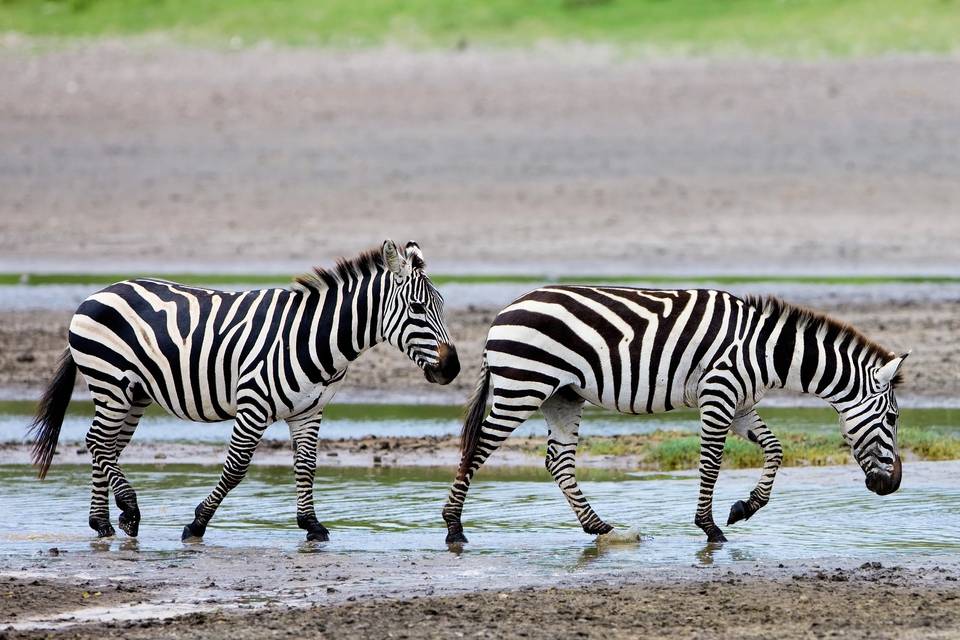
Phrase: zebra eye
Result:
[891,418]
[417,307]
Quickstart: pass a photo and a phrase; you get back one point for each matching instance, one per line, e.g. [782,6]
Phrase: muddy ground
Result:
[570,159]
[21,598]
[813,602]
[31,342]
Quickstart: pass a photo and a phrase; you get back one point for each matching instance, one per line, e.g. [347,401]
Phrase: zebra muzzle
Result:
[882,483]
[447,368]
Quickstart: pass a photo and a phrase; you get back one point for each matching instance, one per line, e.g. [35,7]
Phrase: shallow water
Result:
[358,420]
[512,516]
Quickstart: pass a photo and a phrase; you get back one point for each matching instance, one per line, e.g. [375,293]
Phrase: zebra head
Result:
[413,315]
[870,424]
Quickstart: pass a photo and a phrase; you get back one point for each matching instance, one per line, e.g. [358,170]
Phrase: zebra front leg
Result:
[751,427]
[716,416]
[562,413]
[303,434]
[247,432]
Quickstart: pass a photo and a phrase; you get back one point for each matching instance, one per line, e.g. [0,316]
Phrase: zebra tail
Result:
[45,429]
[473,419]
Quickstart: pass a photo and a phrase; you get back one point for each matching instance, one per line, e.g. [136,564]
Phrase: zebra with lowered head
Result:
[649,351]
[255,356]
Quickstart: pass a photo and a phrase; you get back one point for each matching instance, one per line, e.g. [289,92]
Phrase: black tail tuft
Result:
[45,429]
[473,419]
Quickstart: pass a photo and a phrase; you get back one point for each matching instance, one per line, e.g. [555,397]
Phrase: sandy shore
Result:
[558,160]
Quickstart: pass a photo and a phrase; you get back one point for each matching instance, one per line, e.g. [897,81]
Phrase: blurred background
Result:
[805,148]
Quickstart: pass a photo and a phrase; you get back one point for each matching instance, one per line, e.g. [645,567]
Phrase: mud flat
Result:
[870,601]
[22,598]
[277,159]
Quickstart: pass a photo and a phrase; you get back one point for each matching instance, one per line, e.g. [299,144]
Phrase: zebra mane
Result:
[347,269]
[805,317]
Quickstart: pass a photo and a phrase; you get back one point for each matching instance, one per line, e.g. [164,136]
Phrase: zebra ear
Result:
[396,263]
[889,371]
[415,255]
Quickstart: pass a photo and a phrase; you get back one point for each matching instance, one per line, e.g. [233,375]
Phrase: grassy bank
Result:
[810,435]
[788,28]
[675,450]
[240,279]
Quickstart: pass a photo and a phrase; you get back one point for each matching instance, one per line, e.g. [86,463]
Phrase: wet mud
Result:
[869,601]
[24,598]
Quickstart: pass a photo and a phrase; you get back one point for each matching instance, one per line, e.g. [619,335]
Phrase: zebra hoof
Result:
[192,533]
[598,529]
[456,537]
[103,528]
[739,511]
[130,523]
[318,535]
[716,537]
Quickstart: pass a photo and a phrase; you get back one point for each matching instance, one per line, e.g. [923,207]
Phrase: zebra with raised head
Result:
[649,351]
[255,356]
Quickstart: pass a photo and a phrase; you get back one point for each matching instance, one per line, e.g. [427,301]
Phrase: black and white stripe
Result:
[255,356]
[649,351]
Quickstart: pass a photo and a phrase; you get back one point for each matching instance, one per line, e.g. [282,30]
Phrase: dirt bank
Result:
[869,602]
[24,598]
[31,342]
[560,160]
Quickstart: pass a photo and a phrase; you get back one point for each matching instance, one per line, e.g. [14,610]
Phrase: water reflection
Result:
[511,515]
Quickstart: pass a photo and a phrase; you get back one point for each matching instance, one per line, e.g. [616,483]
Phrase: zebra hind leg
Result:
[129,520]
[510,409]
[753,429]
[562,412]
[104,444]
[247,432]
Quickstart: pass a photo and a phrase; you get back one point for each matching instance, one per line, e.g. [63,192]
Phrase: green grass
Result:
[776,27]
[810,436]
[234,279]
[667,450]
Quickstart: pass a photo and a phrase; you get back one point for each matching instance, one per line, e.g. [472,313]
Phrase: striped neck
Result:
[343,320]
[811,353]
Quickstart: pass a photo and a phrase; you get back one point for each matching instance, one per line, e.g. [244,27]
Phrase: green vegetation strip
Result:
[810,436]
[667,450]
[796,28]
[239,279]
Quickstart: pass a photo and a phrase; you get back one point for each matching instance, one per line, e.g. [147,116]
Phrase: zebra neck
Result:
[346,320]
[818,359]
